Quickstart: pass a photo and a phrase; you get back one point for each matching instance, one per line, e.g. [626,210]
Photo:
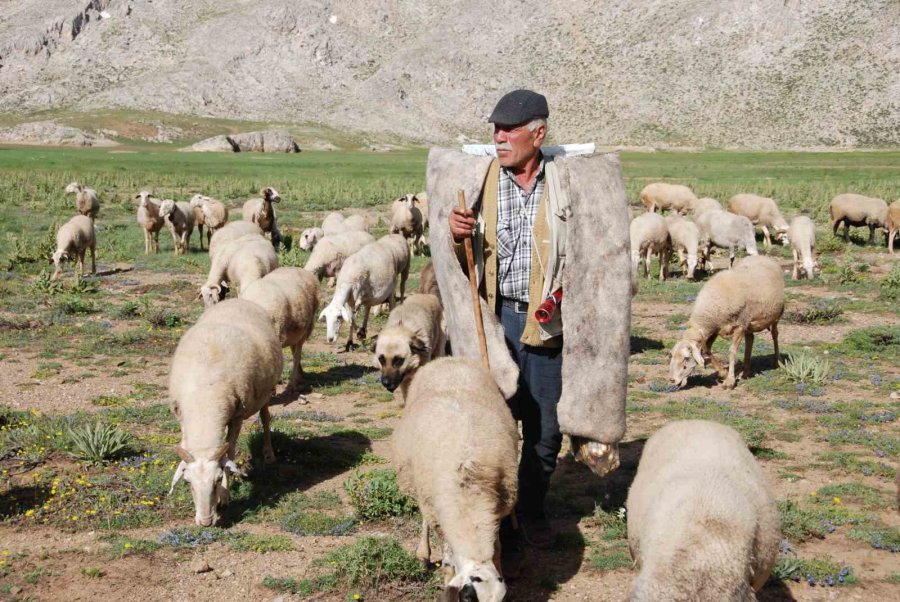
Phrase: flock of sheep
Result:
[713,535]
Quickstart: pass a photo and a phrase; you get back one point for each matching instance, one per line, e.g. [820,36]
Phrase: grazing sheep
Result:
[406,219]
[224,371]
[179,218]
[261,212]
[893,223]
[456,448]
[368,278]
[231,231]
[705,204]
[802,235]
[762,212]
[412,337]
[330,253]
[428,281]
[86,200]
[333,224]
[72,240]
[685,237]
[726,231]
[737,302]
[857,210]
[209,212]
[356,223]
[650,236]
[291,298]
[400,251]
[662,196]
[422,200]
[309,237]
[702,519]
[240,262]
[150,220]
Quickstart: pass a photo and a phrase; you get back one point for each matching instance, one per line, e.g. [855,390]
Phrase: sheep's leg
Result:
[796,273]
[647,259]
[297,377]
[731,253]
[423,551]
[891,236]
[361,333]
[93,259]
[846,230]
[766,236]
[231,437]
[748,349]
[349,345]
[732,352]
[404,275]
[707,354]
[81,263]
[146,242]
[175,242]
[200,230]
[266,418]
[871,234]
[774,330]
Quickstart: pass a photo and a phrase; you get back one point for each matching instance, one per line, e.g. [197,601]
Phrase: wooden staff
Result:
[473,286]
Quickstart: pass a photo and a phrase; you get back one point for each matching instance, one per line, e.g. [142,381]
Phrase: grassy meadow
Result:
[86,435]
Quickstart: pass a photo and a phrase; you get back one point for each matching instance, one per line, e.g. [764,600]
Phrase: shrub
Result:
[317,523]
[890,287]
[74,304]
[805,368]
[371,561]
[821,311]
[98,442]
[817,571]
[163,318]
[376,496]
[875,339]
[847,275]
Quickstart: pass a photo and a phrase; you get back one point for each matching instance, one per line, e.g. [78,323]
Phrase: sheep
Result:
[705,204]
[662,196]
[333,224]
[309,237]
[150,220]
[456,451]
[231,231]
[858,210]
[422,200]
[802,235]
[209,212]
[412,337]
[239,261]
[650,236]
[291,298]
[330,253]
[72,240]
[260,212]
[428,281]
[737,302]
[702,519]
[354,223]
[367,278]
[400,252]
[179,218]
[762,212]
[224,371]
[685,236]
[893,224]
[86,200]
[406,219]
[726,231]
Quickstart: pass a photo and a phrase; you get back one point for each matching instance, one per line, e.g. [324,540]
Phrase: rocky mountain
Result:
[732,73]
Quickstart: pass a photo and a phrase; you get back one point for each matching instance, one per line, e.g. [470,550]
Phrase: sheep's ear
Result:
[184,454]
[179,472]
[231,467]
[695,351]
[322,316]
[220,453]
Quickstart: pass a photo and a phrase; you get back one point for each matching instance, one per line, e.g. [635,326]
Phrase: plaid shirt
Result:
[516,210]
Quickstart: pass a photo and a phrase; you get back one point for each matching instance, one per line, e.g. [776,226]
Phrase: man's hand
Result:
[462,224]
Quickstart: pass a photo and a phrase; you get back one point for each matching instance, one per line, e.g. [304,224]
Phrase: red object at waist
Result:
[545,310]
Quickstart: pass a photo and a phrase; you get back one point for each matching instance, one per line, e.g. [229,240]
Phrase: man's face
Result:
[516,145]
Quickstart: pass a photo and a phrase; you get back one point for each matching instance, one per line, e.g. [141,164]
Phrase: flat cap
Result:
[518,107]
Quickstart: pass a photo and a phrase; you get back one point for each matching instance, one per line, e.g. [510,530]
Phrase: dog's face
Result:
[398,354]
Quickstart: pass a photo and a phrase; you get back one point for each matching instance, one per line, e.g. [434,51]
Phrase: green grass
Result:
[755,430]
[801,521]
[375,495]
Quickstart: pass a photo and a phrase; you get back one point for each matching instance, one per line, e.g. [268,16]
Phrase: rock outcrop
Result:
[272,141]
[52,133]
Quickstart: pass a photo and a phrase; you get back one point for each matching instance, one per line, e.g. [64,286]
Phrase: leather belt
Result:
[520,307]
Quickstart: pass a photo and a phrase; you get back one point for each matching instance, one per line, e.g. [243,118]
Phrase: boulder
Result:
[53,134]
[270,141]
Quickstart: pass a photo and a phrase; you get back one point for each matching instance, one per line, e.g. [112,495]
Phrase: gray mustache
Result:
[503,146]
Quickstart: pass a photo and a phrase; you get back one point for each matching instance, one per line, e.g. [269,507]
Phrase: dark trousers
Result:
[540,386]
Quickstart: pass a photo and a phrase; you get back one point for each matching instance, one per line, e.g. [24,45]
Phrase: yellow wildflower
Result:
[836,500]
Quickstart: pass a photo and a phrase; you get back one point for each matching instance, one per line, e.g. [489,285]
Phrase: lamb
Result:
[86,200]
[650,236]
[209,212]
[705,204]
[231,231]
[224,371]
[726,231]
[239,261]
[893,223]
[150,220]
[179,218]
[260,212]
[762,212]
[802,235]
[736,302]
[662,196]
[368,278]
[702,519]
[72,240]
[330,253]
[412,337]
[858,210]
[456,450]
[685,237]
[291,298]
[406,219]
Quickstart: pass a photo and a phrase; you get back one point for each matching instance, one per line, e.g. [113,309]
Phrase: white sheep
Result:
[330,253]
[401,254]
[650,236]
[310,237]
[209,212]
[179,218]
[802,235]
[763,212]
[893,223]
[224,371]
[240,262]
[333,224]
[354,223]
[406,219]
[857,210]
[86,200]
[727,231]
[368,278]
[150,220]
[456,449]
[702,519]
[685,236]
[291,298]
[662,196]
[261,212]
[231,231]
[73,239]
[422,201]
[737,302]
[705,204]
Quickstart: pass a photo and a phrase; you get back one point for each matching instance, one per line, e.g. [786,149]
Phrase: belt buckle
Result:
[521,307]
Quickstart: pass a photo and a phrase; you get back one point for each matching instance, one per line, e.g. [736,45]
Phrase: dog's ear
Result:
[418,347]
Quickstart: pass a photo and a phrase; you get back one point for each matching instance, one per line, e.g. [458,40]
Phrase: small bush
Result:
[875,339]
[92,572]
[879,537]
[128,310]
[191,537]
[817,571]
[800,522]
[250,542]
[805,368]
[163,318]
[98,442]
[317,523]
[821,311]
[371,561]
[847,275]
[74,304]
[889,288]
[376,496]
